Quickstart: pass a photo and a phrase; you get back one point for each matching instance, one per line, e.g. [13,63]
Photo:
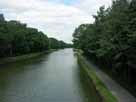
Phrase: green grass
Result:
[100,86]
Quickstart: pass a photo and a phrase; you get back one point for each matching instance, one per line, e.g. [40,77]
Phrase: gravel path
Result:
[119,92]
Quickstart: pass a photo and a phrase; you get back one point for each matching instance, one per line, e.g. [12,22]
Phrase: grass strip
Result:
[100,86]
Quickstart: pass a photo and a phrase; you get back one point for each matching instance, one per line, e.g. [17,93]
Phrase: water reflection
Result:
[55,77]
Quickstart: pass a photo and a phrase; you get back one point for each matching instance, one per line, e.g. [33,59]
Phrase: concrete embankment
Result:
[102,90]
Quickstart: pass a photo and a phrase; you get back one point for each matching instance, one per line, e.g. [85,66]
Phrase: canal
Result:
[55,77]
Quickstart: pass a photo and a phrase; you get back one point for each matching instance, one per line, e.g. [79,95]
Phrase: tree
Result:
[111,39]
[17,39]
[2,17]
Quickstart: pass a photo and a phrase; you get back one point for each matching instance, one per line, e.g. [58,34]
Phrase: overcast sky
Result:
[56,18]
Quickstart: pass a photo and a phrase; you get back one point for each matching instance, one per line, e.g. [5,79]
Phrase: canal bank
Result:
[102,90]
[116,91]
[23,57]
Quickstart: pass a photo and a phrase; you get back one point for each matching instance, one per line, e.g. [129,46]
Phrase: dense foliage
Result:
[16,39]
[111,39]
[54,44]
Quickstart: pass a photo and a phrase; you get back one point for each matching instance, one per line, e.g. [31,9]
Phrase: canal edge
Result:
[101,89]
[23,57]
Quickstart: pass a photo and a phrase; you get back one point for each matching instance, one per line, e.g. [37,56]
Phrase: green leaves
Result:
[55,44]
[111,39]
[113,31]
[16,39]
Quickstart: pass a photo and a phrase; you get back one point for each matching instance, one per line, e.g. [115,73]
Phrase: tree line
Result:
[111,40]
[17,39]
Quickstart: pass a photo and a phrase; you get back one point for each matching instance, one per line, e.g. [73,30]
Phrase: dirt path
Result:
[119,92]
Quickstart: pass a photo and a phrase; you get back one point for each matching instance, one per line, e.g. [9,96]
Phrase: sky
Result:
[56,18]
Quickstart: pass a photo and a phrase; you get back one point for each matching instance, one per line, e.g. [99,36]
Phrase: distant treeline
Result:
[17,39]
[111,40]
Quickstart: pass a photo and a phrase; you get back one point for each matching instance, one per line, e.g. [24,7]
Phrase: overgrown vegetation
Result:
[111,40]
[17,39]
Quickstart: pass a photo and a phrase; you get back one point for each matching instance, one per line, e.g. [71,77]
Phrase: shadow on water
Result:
[14,68]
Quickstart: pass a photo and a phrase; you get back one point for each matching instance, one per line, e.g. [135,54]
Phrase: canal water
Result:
[55,77]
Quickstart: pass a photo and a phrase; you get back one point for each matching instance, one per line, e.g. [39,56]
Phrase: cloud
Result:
[56,18]
[91,6]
